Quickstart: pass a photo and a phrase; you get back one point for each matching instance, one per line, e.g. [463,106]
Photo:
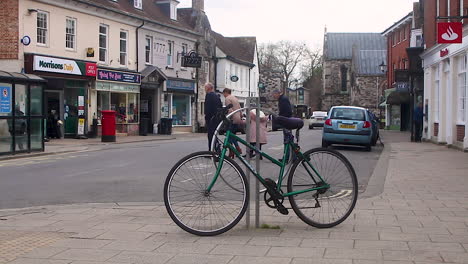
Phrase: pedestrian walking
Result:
[261,138]
[418,121]
[212,105]
[236,118]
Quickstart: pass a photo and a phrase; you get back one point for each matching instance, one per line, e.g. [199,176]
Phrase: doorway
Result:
[54,113]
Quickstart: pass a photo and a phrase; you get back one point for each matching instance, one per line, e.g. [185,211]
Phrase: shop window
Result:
[124,104]
[36,100]
[119,105]
[42,27]
[103,103]
[103,42]
[123,47]
[70,33]
[181,110]
[437,95]
[132,108]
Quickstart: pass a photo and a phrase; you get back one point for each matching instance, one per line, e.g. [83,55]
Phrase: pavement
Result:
[67,145]
[414,210]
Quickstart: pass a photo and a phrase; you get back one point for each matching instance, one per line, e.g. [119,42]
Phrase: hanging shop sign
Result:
[401,76]
[5,99]
[116,76]
[57,65]
[449,32]
[192,60]
[183,86]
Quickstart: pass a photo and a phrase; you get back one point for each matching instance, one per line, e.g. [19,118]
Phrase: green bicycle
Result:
[207,193]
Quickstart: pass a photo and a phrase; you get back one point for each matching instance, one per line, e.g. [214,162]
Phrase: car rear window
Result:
[319,114]
[348,114]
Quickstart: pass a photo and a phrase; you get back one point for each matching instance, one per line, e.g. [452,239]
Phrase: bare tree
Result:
[284,56]
[311,76]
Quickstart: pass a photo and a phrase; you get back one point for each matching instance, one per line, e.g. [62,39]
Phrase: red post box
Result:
[108,126]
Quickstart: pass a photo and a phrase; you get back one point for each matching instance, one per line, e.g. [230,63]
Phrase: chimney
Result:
[198,5]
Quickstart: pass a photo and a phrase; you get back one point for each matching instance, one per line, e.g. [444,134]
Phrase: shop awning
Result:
[394,97]
[398,97]
[14,76]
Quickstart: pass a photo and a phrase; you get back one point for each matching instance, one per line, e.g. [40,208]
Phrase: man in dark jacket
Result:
[212,104]
[418,117]
[284,106]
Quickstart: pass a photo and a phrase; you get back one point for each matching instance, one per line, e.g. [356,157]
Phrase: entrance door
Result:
[54,113]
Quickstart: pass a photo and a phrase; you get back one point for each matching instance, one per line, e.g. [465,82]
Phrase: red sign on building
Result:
[91,69]
[449,32]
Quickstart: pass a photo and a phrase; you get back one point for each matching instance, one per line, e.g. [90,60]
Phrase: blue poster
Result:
[5,99]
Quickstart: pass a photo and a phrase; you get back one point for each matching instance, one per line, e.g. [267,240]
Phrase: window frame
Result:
[73,35]
[45,29]
[207,70]
[149,52]
[138,4]
[106,48]
[170,54]
[184,52]
[126,47]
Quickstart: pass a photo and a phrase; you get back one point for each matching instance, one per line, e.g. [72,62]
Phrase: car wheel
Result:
[325,144]
[311,127]
[368,148]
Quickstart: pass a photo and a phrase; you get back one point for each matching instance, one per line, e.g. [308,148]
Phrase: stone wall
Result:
[365,93]
[332,93]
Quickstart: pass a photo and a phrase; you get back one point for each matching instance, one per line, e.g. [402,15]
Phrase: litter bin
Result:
[144,126]
[108,126]
[165,127]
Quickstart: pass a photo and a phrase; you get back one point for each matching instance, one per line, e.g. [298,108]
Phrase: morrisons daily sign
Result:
[49,64]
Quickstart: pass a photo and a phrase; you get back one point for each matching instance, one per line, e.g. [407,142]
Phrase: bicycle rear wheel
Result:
[194,209]
[336,202]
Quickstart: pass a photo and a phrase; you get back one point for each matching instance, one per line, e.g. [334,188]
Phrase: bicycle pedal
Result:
[282,209]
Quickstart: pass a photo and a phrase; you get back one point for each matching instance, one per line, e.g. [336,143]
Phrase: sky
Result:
[301,20]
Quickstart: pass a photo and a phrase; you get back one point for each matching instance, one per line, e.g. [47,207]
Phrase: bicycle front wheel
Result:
[326,207]
[198,211]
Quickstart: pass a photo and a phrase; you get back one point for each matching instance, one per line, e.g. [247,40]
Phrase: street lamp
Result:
[383,67]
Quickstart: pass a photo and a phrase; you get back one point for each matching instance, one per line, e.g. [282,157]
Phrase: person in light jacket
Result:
[262,136]
[236,118]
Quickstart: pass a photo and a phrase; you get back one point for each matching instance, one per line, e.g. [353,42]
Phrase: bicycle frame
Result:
[282,164]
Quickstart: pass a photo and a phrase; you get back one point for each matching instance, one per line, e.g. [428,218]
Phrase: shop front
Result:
[21,113]
[66,93]
[177,104]
[118,91]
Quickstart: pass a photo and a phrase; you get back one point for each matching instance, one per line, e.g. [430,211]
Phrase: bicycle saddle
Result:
[290,122]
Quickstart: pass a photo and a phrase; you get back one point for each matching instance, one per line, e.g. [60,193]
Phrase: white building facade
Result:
[445,94]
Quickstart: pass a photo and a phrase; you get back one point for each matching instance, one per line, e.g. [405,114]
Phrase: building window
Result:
[402,33]
[148,50]
[170,53]
[394,41]
[103,42]
[42,27]
[436,95]
[461,106]
[344,78]
[123,47]
[236,73]
[227,77]
[184,52]
[405,33]
[207,71]
[138,4]
[70,33]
